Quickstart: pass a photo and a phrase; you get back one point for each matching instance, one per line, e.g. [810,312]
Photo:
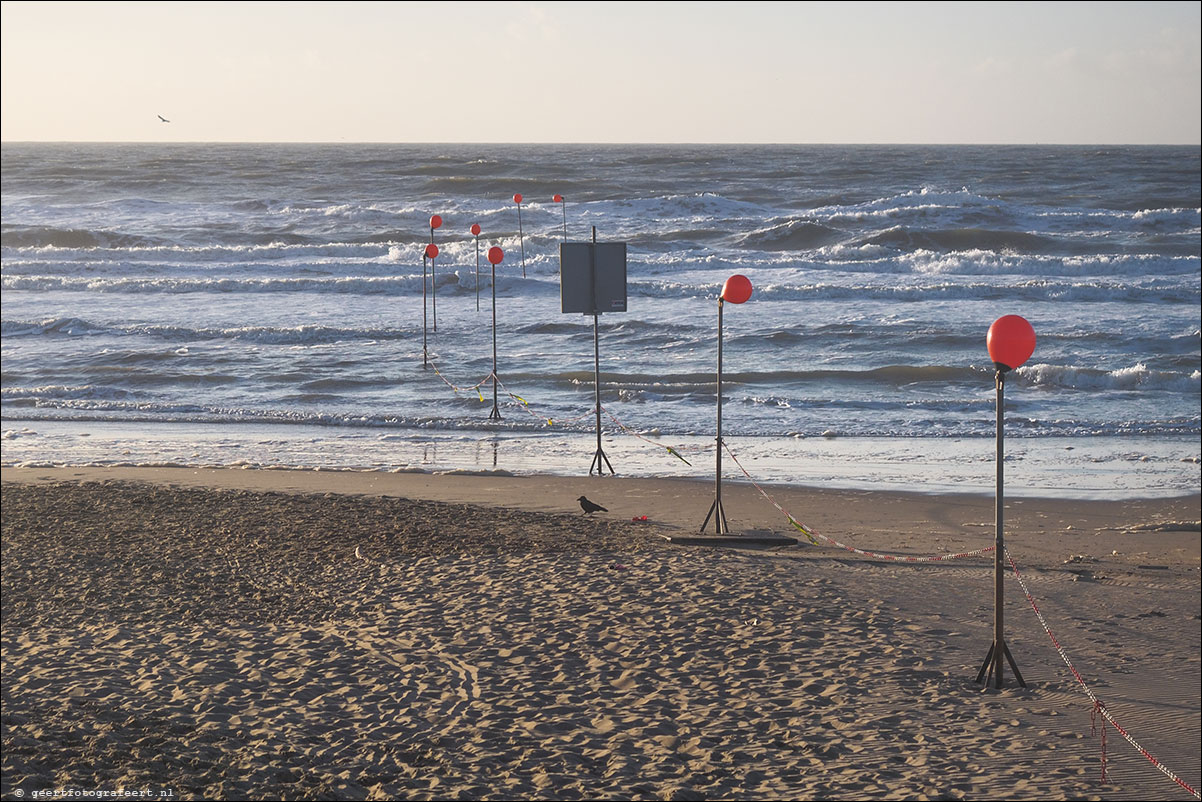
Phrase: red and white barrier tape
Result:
[456,388]
[811,534]
[1099,707]
[526,406]
[674,452]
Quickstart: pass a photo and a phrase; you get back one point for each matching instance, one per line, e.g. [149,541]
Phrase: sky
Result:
[654,72]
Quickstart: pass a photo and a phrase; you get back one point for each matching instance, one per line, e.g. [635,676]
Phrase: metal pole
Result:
[425,362]
[716,510]
[599,456]
[718,450]
[521,240]
[477,274]
[999,536]
[992,668]
[597,380]
[496,411]
[433,285]
[564,207]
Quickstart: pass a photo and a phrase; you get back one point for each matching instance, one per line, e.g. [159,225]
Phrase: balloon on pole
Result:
[475,229]
[557,198]
[736,290]
[1010,342]
[425,305]
[495,255]
[432,254]
[435,222]
[517,198]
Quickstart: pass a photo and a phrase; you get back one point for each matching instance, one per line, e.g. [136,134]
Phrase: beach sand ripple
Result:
[226,644]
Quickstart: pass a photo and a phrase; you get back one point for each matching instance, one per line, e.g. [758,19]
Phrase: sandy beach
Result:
[344,635]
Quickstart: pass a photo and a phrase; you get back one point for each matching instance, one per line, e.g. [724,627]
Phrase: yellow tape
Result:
[676,454]
[803,530]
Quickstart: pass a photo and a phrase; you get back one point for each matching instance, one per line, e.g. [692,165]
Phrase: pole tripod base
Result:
[596,466]
[991,669]
[716,512]
[495,414]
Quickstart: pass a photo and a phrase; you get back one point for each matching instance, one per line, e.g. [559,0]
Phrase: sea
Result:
[270,306]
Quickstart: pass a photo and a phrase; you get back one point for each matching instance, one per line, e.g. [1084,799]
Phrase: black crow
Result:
[589,507]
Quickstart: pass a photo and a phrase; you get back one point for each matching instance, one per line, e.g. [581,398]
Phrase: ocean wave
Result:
[1169,293]
[452,280]
[71,238]
[1135,377]
[791,235]
[892,375]
[805,418]
[286,335]
[60,392]
[98,410]
[964,239]
[983,262]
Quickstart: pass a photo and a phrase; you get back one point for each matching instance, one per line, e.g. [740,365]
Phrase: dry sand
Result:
[275,634]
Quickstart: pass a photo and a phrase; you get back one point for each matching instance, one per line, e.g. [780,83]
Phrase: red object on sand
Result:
[435,221]
[737,289]
[495,255]
[475,229]
[1011,341]
[517,198]
[557,198]
[431,251]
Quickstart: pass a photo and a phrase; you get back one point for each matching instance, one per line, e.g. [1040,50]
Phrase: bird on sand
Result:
[162,118]
[589,507]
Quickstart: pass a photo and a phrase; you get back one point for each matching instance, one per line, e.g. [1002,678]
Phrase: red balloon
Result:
[737,289]
[517,198]
[1011,341]
[475,229]
[557,198]
[495,255]
[435,221]
[431,250]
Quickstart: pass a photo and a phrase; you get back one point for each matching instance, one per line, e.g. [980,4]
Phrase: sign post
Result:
[592,281]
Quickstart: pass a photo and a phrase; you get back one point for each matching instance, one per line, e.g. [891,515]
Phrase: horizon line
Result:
[587,144]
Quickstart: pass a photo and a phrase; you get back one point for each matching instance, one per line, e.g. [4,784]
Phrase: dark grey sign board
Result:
[592,277]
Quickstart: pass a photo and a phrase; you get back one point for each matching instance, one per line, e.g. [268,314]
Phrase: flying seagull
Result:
[163,119]
[589,507]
